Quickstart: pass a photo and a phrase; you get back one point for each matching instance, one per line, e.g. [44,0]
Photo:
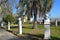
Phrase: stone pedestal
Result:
[46,31]
[46,27]
[19,26]
[2,24]
[8,25]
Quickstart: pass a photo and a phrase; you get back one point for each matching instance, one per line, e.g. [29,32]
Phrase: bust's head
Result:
[46,16]
[19,18]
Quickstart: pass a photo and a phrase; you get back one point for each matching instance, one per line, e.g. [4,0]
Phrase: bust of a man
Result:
[19,19]
[46,19]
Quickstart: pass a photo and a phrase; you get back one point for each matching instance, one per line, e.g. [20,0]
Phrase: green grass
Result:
[55,31]
[27,28]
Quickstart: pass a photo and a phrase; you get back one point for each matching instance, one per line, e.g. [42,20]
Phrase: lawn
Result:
[37,33]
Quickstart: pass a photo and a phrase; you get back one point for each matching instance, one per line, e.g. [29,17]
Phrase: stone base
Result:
[46,31]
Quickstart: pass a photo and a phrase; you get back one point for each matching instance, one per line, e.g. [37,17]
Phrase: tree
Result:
[2,3]
[6,7]
[45,6]
[9,18]
[33,6]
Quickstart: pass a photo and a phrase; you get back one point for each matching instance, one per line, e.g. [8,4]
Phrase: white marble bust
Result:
[19,18]
[46,19]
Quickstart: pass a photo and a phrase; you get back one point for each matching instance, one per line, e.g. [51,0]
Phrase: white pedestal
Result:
[2,24]
[46,31]
[8,25]
[19,26]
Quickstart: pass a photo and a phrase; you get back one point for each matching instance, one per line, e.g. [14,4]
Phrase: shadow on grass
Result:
[33,36]
[28,37]
[27,27]
[37,37]
[22,27]
[14,27]
[54,38]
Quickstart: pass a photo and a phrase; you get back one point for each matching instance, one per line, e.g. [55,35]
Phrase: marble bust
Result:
[46,19]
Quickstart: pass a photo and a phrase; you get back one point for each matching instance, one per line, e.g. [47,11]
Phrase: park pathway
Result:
[4,35]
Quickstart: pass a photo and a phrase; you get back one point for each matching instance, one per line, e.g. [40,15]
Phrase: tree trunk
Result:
[35,21]
[35,24]
[35,15]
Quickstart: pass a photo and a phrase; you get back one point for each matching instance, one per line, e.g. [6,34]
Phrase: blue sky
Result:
[55,11]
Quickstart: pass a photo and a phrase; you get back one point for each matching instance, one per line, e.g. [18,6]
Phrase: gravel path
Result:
[4,35]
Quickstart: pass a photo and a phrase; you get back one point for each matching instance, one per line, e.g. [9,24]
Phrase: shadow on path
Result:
[34,37]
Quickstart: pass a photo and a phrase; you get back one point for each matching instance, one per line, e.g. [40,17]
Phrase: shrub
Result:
[9,18]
